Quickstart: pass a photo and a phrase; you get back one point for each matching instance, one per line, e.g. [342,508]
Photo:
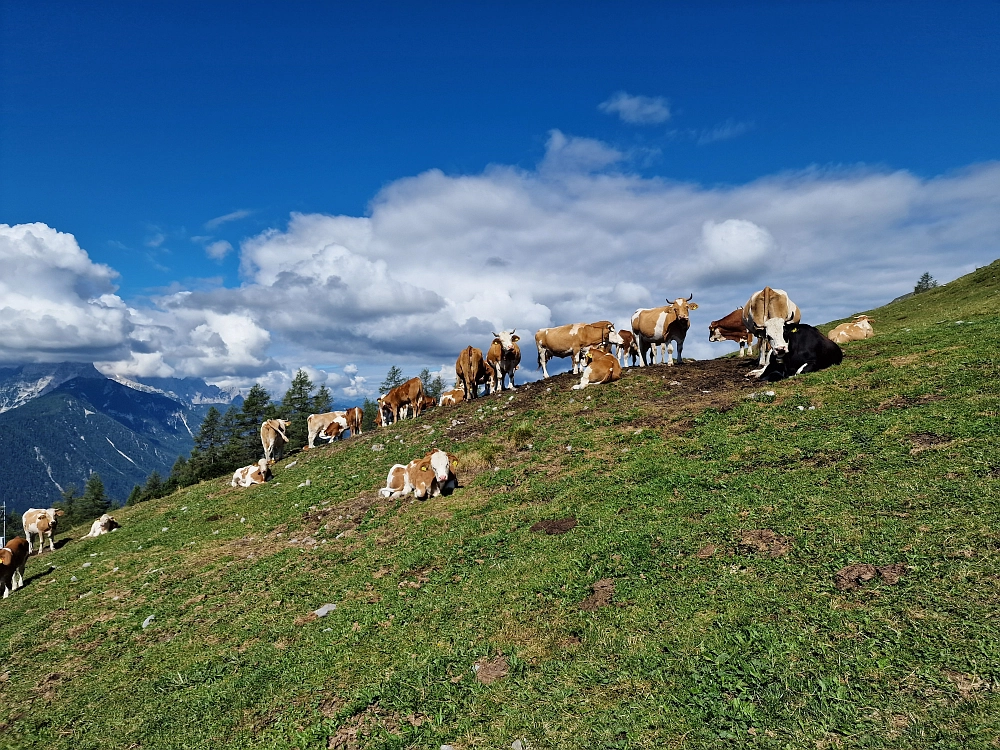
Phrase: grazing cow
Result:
[355,418]
[273,438]
[102,525]
[427,476]
[806,350]
[471,372]
[765,315]
[857,329]
[601,368]
[627,348]
[12,560]
[661,325]
[502,359]
[731,328]
[409,396]
[40,521]
[452,397]
[328,426]
[573,340]
[257,473]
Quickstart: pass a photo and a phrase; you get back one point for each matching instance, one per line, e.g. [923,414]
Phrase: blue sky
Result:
[154,133]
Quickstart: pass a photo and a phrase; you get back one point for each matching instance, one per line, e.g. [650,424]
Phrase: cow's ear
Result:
[425,467]
[692,305]
[60,513]
[515,338]
[452,460]
[6,556]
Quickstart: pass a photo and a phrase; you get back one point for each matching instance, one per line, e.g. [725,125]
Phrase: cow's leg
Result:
[28,534]
[680,351]
[669,354]
[543,358]
[584,380]
[641,345]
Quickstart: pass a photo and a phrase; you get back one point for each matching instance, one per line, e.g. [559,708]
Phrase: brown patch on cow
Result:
[489,670]
[854,576]
[923,441]
[604,592]
[707,551]
[765,542]
[555,525]
[967,685]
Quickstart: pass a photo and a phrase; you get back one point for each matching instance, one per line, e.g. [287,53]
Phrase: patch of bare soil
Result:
[555,525]
[604,592]
[854,576]
[352,733]
[923,441]
[966,684]
[905,402]
[707,551]
[765,542]
[489,671]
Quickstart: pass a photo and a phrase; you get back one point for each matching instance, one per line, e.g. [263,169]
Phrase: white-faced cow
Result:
[43,522]
[572,341]
[661,325]
[502,359]
[273,438]
[765,315]
[248,476]
[601,367]
[806,350]
[731,328]
[858,329]
[103,525]
[427,476]
[471,372]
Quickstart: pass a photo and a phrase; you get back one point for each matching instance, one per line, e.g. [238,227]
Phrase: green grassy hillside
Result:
[694,602]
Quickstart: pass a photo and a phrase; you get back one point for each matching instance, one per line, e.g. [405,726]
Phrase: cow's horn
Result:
[494,335]
[691,297]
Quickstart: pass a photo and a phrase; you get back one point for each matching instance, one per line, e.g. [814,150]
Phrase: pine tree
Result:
[14,525]
[94,502]
[153,487]
[369,408]
[257,407]
[296,407]
[432,386]
[232,437]
[208,444]
[69,505]
[135,496]
[392,378]
[322,401]
[925,283]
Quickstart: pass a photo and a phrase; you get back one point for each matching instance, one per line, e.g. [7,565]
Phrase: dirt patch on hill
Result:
[906,402]
[765,542]
[604,593]
[555,525]
[855,576]
[923,441]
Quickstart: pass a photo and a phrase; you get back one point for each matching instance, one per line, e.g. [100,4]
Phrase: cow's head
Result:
[440,463]
[682,307]
[506,339]
[715,334]
[776,330]
[614,338]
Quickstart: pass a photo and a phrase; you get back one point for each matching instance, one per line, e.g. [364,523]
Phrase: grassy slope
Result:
[897,463]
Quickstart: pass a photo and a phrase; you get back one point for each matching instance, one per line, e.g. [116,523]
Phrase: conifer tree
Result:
[93,503]
[369,409]
[256,408]
[153,487]
[392,378]
[296,407]
[68,504]
[925,283]
[208,444]
[135,496]
[322,401]
[432,386]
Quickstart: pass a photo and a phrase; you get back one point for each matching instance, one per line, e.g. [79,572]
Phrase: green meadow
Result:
[695,603]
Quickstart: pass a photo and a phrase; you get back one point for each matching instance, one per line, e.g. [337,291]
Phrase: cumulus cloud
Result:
[213,224]
[637,110]
[724,132]
[218,250]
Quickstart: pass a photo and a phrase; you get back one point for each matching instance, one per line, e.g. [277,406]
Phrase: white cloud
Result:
[724,132]
[213,224]
[637,110]
[156,240]
[218,250]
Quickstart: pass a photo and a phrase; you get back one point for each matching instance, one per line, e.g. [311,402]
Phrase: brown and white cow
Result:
[257,473]
[273,438]
[627,348]
[662,325]
[502,359]
[452,397]
[765,315]
[601,368]
[12,559]
[573,340]
[355,419]
[328,426]
[731,328]
[858,329]
[471,372]
[103,525]
[427,476]
[409,396]
[40,521]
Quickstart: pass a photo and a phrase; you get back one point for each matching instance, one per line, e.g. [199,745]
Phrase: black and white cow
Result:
[807,350]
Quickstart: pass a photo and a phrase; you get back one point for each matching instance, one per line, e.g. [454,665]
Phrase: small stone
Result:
[86,565]
[243,520]
[291,464]
[569,448]
[802,408]
[517,745]
[378,447]
[325,610]
[73,578]
[145,623]
[165,528]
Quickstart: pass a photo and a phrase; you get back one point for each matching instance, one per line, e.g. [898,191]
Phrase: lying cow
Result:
[732,328]
[12,560]
[273,438]
[502,359]
[257,473]
[329,426]
[765,315]
[662,325]
[425,477]
[601,368]
[40,521]
[103,525]
[471,372]
[452,397]
[572,341]
[806,350]
[858,329]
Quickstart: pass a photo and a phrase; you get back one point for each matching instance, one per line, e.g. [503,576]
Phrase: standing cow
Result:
[43,522]
[573,340]
[661,325]
[731,328]
[471,372]
[273,438]
[328,426]
[806,350]
[355,418]
[765,315]
[13,556]
[502,359]
[627,349]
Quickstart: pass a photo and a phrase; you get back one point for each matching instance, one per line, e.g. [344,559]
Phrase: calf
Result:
[427,476]
[731,328]
[257,473]
[12,560]
[102,525]
[452,397]
[858,329]
[601,368]
[40,521]
[628,347]
[328,426]
[806,350]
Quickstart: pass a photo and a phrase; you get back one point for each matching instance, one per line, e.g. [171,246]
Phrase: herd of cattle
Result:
[598,352]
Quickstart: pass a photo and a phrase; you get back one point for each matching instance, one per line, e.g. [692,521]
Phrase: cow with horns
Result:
[662,325]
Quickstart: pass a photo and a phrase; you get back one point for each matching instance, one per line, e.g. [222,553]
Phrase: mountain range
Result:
[61,422]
